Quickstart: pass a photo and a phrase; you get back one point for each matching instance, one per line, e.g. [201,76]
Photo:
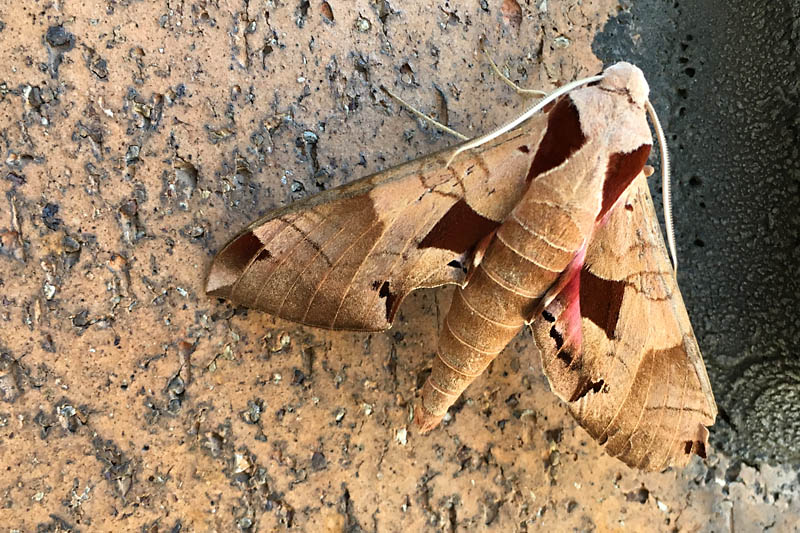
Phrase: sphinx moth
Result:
[547,223]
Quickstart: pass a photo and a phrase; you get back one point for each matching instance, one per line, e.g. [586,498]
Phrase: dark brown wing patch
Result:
[231,263]
[459,230]
[563,138]
[601,300]
[391,300]
[622,168]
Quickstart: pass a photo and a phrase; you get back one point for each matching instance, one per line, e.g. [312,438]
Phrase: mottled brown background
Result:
[137,138]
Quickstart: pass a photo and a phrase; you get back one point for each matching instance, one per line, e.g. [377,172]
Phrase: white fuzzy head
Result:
[629,78]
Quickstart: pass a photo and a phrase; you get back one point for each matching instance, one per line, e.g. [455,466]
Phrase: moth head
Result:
[628,78]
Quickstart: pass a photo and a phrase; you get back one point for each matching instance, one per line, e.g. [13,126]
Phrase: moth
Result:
[547,222]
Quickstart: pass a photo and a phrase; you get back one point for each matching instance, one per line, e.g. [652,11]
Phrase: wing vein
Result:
[364,259]
[261,248]
[399,257]
[286,256]
[300,273]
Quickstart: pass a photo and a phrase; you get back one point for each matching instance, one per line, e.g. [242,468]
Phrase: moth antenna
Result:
[665,185]
[419,114]
[523,117]
[519,90]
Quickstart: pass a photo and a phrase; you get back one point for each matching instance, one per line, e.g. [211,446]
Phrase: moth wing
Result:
[346,258]
[618,347]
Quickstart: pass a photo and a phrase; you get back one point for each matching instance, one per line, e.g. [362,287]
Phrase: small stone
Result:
[16,179]
[57,36]
[254,410]
[240,463]
[129,208]
[318,461]
[70,244]
[81,320]
[49,291]
[9,389]
[299,377]
[561,42]
[50,216]
[10,244]
[362,24]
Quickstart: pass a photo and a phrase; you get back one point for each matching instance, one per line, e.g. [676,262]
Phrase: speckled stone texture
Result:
[138,137]
[726,80]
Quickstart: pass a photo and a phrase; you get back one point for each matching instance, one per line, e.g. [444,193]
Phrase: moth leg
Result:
[524,93]
[419,114]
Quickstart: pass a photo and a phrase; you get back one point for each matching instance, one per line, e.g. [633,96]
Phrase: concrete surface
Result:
[138,137]
[725,77]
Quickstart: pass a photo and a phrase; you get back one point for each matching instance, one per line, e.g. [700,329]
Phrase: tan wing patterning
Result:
[346,258]
[618,347]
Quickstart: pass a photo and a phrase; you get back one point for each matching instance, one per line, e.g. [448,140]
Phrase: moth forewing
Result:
[345,258]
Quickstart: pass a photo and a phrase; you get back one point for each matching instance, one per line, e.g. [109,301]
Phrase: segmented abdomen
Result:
[503,291]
